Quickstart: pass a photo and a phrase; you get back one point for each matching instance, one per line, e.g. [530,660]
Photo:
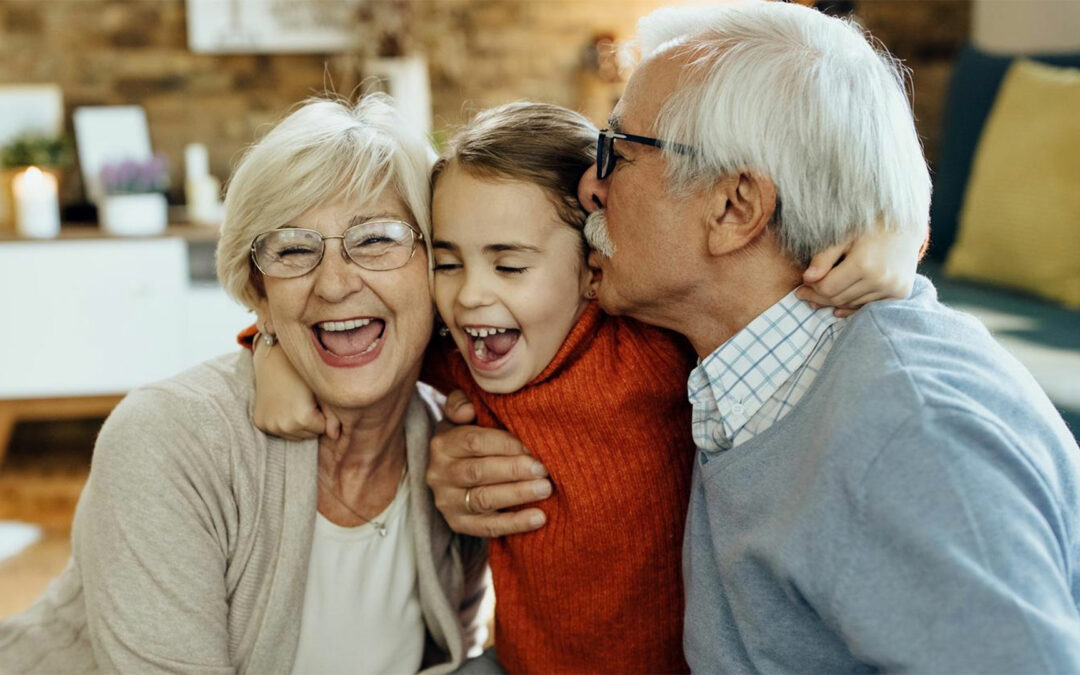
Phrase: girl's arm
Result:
[284,405]
[876,266]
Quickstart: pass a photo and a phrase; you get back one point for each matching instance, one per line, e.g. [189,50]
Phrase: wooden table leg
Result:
[7,425]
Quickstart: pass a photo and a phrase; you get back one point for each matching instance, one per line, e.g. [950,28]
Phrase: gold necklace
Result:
[380,526]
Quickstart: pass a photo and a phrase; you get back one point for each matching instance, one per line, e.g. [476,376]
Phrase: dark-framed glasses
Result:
[605,149]
[376,245]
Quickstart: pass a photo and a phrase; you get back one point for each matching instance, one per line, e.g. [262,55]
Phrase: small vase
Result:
[135,214]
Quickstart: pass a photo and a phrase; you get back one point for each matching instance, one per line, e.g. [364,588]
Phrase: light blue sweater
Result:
[919,510]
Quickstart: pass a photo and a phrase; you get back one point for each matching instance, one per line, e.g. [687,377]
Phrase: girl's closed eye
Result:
[508,269]
[445,264]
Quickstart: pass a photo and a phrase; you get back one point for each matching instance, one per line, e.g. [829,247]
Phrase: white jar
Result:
[135,214]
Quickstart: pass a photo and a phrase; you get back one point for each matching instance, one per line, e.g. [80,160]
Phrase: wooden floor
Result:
[40,480]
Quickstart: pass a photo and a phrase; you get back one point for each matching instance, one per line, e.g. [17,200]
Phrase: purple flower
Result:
[133,176]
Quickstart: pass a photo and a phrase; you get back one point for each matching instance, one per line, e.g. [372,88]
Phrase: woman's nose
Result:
[337,277]
[592,193]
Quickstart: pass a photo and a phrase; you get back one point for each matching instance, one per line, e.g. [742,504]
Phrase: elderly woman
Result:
[204,545]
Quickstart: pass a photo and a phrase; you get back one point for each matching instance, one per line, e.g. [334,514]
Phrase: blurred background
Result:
[121,119]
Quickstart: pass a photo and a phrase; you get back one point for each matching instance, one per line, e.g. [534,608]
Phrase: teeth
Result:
[351,324]
[483,332]
[371,347]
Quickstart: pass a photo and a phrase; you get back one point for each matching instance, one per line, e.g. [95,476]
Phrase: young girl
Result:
[599,400]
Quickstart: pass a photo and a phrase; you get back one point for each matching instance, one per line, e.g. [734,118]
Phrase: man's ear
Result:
[740,208]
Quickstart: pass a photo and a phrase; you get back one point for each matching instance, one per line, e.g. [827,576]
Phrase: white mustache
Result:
[596,233]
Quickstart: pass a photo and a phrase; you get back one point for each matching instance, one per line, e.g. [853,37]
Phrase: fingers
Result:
[498,524]
[484,499]
[458,409]
[476,471]
[473,441]
[823,262]
[297,429]
[492,467]
[865,300]
[839,279]
[476,511]
[333,426]
[808,294]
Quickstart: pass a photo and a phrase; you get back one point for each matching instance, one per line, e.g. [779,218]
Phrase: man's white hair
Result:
[802,98]
[325,149]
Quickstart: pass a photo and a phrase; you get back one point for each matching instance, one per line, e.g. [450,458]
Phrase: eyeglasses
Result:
[377,245]
[605,149]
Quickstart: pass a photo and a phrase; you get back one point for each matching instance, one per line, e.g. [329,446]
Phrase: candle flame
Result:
[33,173]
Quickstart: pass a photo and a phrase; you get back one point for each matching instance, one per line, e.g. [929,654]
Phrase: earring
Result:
[269,340]
[591,294]
[443,331]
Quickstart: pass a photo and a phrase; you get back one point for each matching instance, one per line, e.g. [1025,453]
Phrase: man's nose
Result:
[592,193]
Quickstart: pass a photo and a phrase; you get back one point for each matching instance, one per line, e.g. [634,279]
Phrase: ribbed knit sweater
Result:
[598,588]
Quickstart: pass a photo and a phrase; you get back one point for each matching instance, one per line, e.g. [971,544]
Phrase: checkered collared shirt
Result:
[758,376]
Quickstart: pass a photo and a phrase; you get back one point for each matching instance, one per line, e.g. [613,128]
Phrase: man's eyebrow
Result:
[615,123]
[512,247]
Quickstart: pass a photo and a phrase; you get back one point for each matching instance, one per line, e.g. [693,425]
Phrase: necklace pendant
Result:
[381,529]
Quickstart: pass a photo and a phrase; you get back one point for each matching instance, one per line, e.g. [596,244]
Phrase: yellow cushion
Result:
[1020,224]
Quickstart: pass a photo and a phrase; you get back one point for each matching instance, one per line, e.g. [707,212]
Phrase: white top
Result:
[361,604]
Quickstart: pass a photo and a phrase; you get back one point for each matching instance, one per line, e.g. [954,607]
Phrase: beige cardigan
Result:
[191,541]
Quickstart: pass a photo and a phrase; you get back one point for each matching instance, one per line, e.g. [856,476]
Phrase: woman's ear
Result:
[262,318]
[740,207]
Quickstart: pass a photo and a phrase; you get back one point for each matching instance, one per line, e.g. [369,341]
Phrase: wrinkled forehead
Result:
[649,87]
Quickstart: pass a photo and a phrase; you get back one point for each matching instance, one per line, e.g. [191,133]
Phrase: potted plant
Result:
[134,196]
[51,154]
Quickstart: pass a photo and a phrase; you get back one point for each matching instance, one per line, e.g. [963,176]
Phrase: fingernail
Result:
[538,470]
[537,520]
[542,489]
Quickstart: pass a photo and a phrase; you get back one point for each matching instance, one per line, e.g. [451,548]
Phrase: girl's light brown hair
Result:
[546,145]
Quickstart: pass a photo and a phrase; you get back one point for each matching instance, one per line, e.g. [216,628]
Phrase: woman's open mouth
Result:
[490,347]
[348,342]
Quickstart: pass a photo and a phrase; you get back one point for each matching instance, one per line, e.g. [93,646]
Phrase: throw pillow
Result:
[1020,223]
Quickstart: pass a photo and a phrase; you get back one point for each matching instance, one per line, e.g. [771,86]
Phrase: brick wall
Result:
[483,52]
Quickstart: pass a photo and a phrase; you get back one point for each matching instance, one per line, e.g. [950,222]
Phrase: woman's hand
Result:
[284,406]
[492,467]
[875,266]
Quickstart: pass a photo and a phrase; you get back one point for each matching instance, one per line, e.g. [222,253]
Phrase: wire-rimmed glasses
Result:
[376,245]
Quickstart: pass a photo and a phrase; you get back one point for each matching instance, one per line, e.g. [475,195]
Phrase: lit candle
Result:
[37,206]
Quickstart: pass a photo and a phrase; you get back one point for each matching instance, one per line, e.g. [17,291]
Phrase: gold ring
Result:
[468,501]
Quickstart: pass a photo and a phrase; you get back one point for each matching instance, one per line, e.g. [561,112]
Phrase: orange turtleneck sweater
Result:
[598,588]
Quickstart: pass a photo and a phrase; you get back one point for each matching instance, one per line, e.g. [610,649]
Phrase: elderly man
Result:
[890,491]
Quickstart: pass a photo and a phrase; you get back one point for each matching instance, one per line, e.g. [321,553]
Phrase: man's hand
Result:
[492,467]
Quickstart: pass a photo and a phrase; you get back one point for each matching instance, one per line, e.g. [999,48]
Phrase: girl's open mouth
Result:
[489,347]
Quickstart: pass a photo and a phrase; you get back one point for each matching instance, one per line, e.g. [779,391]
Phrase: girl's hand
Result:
[284,406]
[875,266]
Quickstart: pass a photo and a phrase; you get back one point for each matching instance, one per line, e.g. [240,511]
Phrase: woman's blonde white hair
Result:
[327,148]
[804,99]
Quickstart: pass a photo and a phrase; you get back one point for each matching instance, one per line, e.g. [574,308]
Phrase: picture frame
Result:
[108,134]
[272,26]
